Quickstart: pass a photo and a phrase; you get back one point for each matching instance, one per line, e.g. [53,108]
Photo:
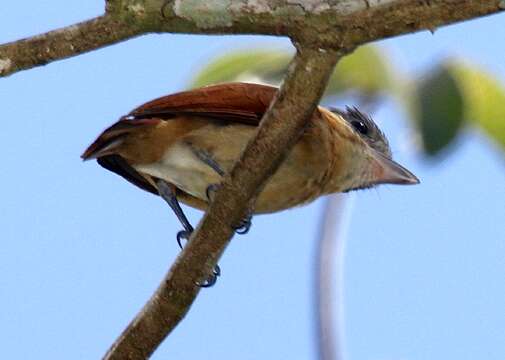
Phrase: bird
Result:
[180,147]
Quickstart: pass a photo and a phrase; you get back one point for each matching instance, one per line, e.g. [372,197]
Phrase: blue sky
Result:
[82,250]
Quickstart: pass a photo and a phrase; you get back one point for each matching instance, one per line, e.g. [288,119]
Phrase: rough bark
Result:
[324,23]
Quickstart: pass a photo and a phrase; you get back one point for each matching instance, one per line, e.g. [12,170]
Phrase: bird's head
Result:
[370,161]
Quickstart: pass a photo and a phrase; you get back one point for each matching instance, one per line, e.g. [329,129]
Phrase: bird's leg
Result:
[245,224]
[167,192]
[207,159]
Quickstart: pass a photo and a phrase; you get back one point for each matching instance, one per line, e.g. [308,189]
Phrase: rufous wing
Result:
[236,102]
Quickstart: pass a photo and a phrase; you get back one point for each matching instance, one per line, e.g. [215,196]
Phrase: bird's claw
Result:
[244,225]
[212,279]
[183,235]
[216,272]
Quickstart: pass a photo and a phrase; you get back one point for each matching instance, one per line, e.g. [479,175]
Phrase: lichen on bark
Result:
[205,14]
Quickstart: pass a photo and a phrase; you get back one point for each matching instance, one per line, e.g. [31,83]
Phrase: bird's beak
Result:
[386,171]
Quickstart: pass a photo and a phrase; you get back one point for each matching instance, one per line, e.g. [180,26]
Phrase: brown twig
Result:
[279,129]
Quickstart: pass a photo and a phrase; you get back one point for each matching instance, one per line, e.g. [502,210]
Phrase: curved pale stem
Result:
[329,277]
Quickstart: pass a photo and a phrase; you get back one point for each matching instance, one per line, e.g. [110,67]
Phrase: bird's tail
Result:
[114,136]
[104,150]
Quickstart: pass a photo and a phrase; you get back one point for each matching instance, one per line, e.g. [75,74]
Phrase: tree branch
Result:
[63,43]
[325,23]
[279,129]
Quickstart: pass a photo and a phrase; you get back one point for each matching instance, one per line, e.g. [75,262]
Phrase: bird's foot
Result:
[183,235]
[168,193]
[212,279]
[244,225]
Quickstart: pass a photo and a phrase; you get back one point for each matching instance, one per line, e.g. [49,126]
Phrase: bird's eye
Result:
[360,126]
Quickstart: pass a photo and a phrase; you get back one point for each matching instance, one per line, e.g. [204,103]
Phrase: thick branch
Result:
[279,130]
[332,23]
[324,23]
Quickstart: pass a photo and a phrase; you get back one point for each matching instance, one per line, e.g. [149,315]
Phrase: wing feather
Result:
[234,102]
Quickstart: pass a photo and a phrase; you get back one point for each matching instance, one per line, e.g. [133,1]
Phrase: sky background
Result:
[81,250]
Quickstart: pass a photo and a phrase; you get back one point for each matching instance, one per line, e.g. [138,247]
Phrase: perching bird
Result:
[180,145]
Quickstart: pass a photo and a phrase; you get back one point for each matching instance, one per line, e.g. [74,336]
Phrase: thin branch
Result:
[327,23]
[63,43]
[278,131]
[329,279]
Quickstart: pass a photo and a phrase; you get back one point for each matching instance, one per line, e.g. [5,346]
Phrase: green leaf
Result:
[484,100]
[439,111]
[264,65]
[365,71]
